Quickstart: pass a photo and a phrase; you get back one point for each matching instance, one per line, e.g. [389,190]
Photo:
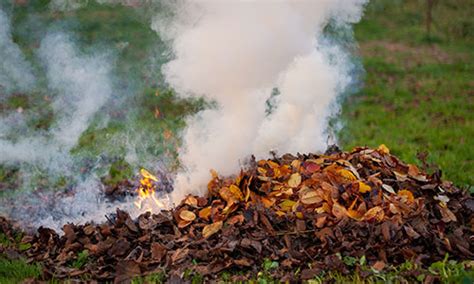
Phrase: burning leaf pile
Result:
[303,212]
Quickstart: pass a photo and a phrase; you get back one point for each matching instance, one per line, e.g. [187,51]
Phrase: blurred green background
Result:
[417,94]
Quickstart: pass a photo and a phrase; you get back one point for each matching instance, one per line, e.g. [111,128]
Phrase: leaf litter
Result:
[303,212]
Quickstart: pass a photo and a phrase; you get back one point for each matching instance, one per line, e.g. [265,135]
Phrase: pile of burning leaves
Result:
[305,212]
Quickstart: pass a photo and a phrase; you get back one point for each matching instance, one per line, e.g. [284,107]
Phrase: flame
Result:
[147,200]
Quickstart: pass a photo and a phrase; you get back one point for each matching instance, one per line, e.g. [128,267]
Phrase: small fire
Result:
[147,200]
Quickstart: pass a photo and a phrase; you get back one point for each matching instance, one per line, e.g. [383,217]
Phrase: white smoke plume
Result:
[235,53]
[82,85]
[15,72]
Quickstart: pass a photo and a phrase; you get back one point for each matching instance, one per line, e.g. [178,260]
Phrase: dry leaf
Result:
[363,188]
[375,213]
[339,211]
[295,180]
[310,197]
[406,194]
[205,213]
[211,229]
[187,215]
[383,149]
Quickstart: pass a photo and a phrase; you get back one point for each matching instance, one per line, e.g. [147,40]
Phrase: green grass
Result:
[418,94]
[14,271]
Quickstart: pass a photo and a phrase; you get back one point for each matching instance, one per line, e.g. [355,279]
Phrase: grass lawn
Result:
[418,96]
[418,93]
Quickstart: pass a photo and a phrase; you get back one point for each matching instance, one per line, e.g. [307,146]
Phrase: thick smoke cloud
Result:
[15,72]
[235,53]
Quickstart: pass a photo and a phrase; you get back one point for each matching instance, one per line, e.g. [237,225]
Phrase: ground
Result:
[417,94]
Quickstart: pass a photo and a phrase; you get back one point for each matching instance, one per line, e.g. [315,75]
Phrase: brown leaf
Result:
[448,215]
[248,243]
[179,255]
[120,247]
[158,251]
[126,270]
[245,262]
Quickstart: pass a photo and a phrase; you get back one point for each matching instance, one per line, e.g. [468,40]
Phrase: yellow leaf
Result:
[311,197]
[261,171]
[236,192]
[406,194]
[299,215]
[346,174]
[280,213]
[296,164]
[363,188]
[187,215]
[147,174]
[384,149]
[323,209]
[286,205]
[295,180]
[211,229]
[272,164]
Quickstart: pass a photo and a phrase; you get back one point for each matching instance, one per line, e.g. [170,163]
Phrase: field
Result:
[417,97]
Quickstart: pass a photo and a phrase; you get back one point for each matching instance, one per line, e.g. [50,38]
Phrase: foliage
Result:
[81,260]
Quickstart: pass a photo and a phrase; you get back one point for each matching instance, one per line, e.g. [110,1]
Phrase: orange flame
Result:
[147,200]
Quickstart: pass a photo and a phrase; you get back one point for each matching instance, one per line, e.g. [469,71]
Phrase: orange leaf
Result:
[211,229]
[375,213]
[268,202]
[205,213]
[183,223]
[408,195]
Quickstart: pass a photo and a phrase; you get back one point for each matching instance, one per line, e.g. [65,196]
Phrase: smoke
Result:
[15,72]
[235,53]
[82,85]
